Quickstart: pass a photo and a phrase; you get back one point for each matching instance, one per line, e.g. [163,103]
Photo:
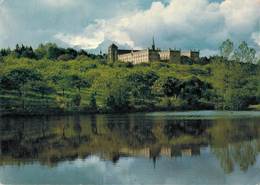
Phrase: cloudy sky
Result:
[91,24]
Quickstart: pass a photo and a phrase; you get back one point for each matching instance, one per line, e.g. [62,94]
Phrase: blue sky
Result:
[92,24]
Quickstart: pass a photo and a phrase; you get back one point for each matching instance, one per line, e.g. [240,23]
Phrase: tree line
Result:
[49,51]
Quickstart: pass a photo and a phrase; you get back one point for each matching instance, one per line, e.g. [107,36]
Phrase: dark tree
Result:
[172,87]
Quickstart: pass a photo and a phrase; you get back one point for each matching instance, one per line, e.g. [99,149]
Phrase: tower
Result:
[153,46]
[112,53]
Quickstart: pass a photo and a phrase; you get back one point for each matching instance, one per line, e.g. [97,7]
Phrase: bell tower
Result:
[153,45]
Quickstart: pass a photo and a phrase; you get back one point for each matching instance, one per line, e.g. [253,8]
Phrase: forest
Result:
[54,80]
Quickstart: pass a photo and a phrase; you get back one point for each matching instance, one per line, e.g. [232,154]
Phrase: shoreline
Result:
[62,113]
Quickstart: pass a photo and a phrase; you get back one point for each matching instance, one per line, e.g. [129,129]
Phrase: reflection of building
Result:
[178,151]
[149,55]
[190,151]
[144,152]
[166,151]
[187,152]
[171,151]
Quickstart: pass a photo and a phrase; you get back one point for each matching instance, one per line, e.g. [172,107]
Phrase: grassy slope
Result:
[100,75]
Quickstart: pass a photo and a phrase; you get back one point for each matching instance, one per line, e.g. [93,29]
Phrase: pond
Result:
[166,148]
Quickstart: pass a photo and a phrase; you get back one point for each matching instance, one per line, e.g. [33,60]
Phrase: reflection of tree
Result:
[155,153]
[44,125]
[227,131]
[232,143]
[158,132]
[93,122]
[113,136]
[225,159]
[77,127]
[63,126]
[178,128]
[136,131]
[243,154]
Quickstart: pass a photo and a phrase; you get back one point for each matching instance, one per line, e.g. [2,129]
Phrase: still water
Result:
[185,148]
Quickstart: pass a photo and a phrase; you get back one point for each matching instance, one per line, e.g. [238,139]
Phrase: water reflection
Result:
[50,140]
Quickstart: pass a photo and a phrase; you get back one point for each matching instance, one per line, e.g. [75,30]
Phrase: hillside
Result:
[87,83]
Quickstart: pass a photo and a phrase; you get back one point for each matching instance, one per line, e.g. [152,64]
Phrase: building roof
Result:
[113,46]
[125,51]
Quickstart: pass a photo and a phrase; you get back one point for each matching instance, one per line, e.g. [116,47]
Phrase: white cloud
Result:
[82,41]
[95,34]
[32,22]
[196,24]
[241,16]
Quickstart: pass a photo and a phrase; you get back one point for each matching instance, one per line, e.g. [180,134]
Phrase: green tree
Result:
[78,82]
[93,101]
[235,86]
[141,85]
[172,87]
[15,79]
[193,90]
[50,51]
[5,52]
[226,48]
[244,53]
[40,87]
[118,96]
[76,100]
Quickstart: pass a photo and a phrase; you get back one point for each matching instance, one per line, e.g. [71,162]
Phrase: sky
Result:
[94,24]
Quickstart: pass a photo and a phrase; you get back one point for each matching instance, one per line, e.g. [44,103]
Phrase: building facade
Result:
[194,55]
[113,53]
[149,55]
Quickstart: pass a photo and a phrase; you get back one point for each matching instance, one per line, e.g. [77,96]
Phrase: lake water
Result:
[183,148]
